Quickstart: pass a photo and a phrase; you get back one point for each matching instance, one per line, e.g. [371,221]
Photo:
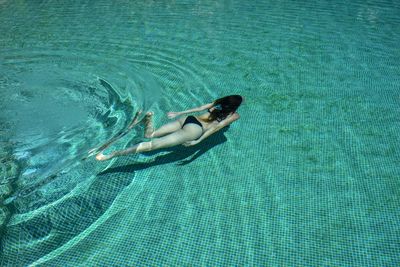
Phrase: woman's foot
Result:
[102,157]
[148,122]
[135,119]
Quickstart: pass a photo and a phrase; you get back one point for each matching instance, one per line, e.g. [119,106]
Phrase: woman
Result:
[187,131]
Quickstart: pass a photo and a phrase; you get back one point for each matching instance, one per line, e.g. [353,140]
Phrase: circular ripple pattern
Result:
[47,213]
[55,108]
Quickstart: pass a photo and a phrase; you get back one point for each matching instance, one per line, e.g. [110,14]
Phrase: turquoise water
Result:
[309,176]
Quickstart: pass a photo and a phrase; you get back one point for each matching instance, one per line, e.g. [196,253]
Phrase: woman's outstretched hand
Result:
[172,115]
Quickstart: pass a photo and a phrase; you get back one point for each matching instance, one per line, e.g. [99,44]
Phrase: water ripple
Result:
[58,106]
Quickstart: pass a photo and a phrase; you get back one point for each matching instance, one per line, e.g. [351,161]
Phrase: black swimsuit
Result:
[192,119]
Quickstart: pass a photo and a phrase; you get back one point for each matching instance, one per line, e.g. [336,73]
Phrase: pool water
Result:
[309,175]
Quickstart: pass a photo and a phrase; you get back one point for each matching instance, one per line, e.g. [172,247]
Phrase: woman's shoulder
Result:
[203,116]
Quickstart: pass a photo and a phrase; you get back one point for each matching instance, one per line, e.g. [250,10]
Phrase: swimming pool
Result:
[309,176]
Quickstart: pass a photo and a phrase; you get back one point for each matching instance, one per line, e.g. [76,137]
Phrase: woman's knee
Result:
[149,134]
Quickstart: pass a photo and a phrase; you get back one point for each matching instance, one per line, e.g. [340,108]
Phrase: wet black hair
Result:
[224,106]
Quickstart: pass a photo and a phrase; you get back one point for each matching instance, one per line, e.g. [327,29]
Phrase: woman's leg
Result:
[189,133]
[149,131]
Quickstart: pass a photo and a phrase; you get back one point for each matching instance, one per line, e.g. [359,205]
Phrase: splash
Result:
[56,108]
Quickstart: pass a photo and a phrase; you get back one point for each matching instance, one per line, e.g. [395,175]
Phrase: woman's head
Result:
[224,106]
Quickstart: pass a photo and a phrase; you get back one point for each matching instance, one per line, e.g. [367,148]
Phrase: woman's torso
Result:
[203,119]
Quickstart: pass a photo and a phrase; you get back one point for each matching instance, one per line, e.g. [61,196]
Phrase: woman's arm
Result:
[228,120]
[172,115]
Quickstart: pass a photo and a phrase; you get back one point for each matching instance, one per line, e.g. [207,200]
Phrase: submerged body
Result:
[187,130]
